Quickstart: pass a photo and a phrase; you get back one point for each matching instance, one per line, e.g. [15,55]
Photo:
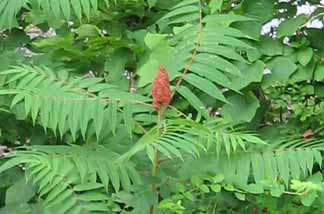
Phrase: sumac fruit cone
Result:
[161,91]
[308,134]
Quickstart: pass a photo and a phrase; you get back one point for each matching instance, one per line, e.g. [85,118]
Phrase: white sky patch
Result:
[315,24]
[274,23]
[303,9]
[309,9]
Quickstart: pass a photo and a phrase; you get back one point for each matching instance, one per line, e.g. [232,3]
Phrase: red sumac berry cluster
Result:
[161,91]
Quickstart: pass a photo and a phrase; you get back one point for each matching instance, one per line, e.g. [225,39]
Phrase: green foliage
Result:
[61,8]
[289,27]
[65,103]
[67,190]
[243,132]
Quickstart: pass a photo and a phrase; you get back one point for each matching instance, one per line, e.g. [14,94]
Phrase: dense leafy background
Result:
[243,134]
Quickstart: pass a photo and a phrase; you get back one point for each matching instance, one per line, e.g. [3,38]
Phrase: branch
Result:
[194,52]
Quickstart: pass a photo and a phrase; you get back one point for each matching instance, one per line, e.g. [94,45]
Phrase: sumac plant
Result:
[161,106]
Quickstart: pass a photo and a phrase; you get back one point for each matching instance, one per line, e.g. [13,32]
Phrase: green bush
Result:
[241,130]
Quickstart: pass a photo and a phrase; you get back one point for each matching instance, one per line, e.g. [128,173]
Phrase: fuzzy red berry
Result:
[254,211]
[161,89]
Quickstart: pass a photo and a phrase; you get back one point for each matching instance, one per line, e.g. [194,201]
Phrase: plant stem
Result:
[193,54]
[156,160]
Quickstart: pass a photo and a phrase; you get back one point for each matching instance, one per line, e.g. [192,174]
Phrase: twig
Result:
[155,166]
[194,52]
